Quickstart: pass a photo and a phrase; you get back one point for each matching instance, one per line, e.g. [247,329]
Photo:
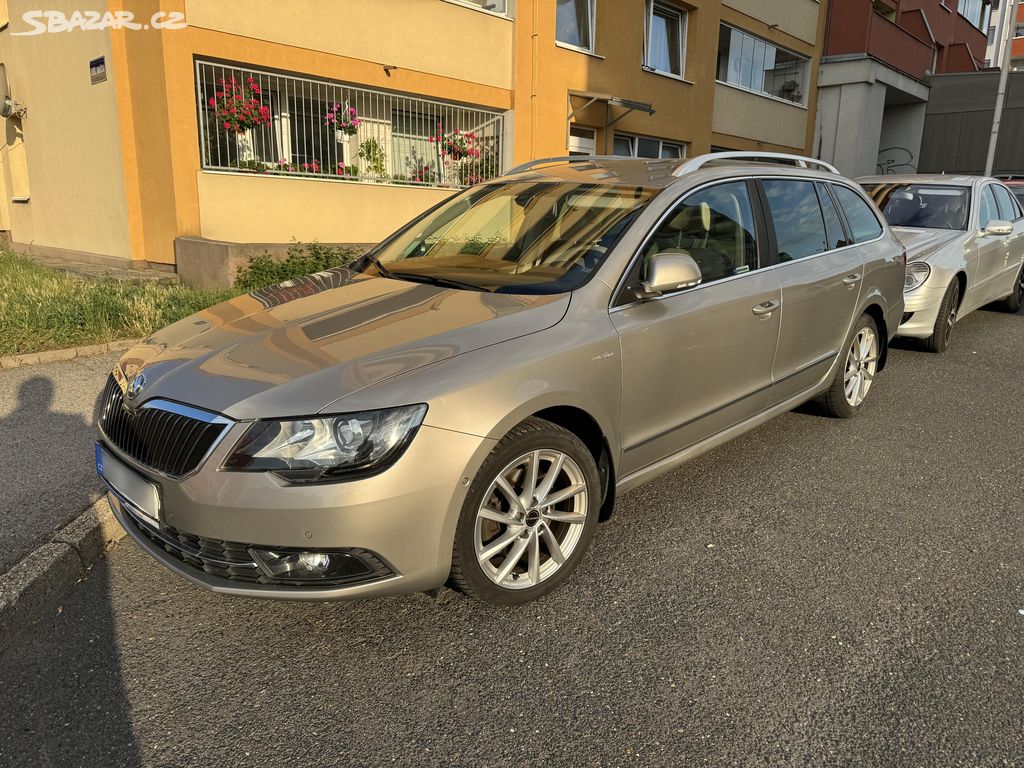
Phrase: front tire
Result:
[943,330]
[854,378]
[1015,300]
[529,516]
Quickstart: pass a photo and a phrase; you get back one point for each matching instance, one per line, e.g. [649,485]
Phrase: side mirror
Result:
[667,271]
[997,228]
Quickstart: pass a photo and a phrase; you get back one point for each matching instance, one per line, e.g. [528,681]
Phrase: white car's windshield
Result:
[515,237]
[929,206]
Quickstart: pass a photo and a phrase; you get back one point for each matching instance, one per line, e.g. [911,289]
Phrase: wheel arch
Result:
[876,313]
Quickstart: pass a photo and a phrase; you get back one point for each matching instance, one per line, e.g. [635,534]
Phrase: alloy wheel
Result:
[531,519]
[951,318]
[1020,286]
[861,366]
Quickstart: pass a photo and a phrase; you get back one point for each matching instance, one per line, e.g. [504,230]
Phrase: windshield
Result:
[515,237]
[927,206]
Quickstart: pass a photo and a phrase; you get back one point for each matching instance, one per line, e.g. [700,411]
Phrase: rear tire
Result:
[855,375]
[946,319]
[1015,300]
[522,531]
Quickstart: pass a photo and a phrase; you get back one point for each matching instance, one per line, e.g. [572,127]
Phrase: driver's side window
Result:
[988,209]
[714,225]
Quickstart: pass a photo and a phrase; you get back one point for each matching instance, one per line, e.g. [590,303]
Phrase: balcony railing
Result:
[253,121]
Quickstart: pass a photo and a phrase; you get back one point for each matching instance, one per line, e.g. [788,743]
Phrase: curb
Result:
[61,355]
[36,585]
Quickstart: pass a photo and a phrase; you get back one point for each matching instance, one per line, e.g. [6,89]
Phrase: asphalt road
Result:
[47,430]
[817,592]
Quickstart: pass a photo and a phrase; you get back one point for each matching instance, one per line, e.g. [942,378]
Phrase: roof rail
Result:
[566,159]
[799,160]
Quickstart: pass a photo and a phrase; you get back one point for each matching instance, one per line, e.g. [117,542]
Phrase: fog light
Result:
[298,565]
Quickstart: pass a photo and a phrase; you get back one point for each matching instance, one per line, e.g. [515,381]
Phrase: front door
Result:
[988,252]
[697,361]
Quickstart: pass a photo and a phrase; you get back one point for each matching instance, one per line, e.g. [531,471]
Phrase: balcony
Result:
[253,121]
[901,50]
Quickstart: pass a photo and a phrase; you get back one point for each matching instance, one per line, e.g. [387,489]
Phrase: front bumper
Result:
[923,306]
[401,523]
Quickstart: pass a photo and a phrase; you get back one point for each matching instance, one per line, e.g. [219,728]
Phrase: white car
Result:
[965,248]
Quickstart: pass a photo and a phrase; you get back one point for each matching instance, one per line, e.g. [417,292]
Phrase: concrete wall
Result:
[271,209]
[65,156]
[899,144]
[798,18]
[440,38]
[745,115]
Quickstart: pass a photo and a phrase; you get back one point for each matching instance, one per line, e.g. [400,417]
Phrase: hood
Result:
[294,349]
[922,243]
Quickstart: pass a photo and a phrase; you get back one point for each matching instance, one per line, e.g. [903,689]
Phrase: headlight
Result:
[917,273]
[329,448]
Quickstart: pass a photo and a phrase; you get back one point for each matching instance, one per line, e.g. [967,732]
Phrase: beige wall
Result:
[798,18]
[422,35]
[758,118]
[72,141]
[268,209]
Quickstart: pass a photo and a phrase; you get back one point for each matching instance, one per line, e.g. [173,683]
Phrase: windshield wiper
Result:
[384,271]
[444,282]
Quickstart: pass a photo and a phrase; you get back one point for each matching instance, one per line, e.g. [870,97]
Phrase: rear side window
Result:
[833,224]
[796,214]
[864,224]
[1006,203]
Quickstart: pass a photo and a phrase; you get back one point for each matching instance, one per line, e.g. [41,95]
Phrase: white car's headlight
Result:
[917,273]
[328,448]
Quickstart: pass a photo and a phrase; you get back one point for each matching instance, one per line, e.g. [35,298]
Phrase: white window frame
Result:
[684,20]
[633,138]
[591,20]
[802,104]
[582,145]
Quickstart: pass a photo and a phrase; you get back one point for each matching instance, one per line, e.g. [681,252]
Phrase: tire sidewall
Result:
[510,448]
[841,404]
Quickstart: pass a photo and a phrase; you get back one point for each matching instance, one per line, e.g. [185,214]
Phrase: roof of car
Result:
[662,173]
[922,178]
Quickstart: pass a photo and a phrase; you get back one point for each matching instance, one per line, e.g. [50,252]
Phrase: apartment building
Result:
[216,129]
[877,57]
[1004,15]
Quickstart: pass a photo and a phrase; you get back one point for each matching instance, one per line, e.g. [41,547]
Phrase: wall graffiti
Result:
[895,160]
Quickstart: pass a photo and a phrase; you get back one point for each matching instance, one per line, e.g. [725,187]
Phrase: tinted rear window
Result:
[796,214]
[864,224]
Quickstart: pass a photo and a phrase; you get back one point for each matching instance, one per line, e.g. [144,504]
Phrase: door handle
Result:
[765,308]
[851,280]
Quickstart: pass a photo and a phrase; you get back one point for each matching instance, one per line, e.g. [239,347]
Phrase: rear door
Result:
[821,277]
[698,361]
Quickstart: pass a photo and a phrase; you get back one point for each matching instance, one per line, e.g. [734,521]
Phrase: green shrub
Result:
[302,259]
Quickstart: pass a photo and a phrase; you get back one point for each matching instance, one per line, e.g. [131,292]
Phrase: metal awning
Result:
[628,105]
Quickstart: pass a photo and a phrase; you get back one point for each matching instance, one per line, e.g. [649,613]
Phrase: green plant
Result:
[302,259]
[45,309]
[253,166]
[375,159]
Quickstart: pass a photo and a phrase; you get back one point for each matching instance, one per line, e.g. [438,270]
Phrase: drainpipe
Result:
[1004,76]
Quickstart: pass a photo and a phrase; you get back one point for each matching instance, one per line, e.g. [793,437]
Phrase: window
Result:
[574,23]
[1019,29]
[796,213]
[582,140]
[642,146]
[715,226]
[1018,192]
[834,234]
[976,11]
[494,6]
[518,237]
[1005,202]
[929,206]
[665,39]
[864,224]
[749,62]
[987,207]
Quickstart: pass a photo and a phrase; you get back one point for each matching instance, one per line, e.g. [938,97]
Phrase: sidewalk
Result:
[47,431]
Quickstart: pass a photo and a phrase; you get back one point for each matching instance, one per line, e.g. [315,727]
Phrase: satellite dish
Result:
[8,106]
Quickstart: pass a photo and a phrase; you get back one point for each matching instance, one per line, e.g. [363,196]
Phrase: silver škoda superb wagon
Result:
[464,402]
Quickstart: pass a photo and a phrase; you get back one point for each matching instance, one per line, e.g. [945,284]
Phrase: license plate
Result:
[142,495]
